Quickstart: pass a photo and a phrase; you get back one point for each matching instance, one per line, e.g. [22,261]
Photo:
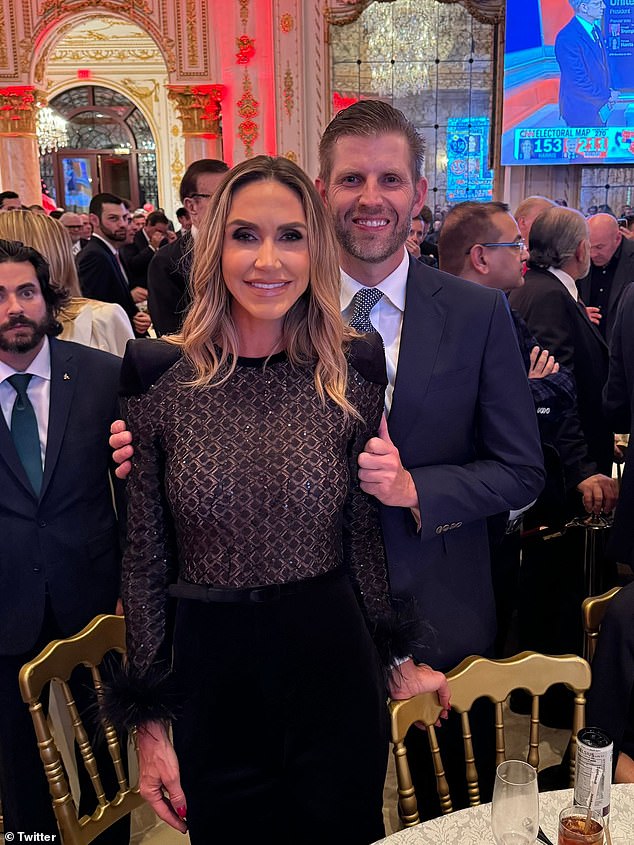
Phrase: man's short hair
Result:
[467,223]
[528,205]
[8,195]
[575,4]
[555,236]
[15,252]
[99,200]
[181,213]
[156,217]
[426,215]
[364,120]
[196,169]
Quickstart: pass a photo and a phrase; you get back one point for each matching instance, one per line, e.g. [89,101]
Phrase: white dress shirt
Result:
[386,316]
[38,391]
[567,281]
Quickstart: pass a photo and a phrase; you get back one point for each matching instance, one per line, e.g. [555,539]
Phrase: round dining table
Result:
[473,825]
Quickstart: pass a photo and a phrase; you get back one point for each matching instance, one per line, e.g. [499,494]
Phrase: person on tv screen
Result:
[585,92]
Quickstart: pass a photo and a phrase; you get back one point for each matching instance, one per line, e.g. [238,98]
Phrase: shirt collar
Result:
[567,281]
[587,26]
[39,366]
[104,241]
[392,286]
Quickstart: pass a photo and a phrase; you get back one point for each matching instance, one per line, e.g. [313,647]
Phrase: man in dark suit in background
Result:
[168,273]
[611,270]
[481,242]
[101,273]
[59,547]
[552,575]
[137,255]
[584,87]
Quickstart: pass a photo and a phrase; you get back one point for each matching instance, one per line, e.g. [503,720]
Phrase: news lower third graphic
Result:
[568,83]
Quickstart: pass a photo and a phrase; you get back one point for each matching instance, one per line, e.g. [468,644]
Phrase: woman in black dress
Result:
[244,506]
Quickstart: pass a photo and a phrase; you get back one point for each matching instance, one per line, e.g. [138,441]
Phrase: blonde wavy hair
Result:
[50,239]
[313,332]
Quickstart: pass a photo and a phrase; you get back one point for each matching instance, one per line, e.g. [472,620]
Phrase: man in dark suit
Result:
[584,87]
[59,555]
[137,255]
[552,573]
[611,270]
[168,273]
[455,373]
[482,242]
[101,273]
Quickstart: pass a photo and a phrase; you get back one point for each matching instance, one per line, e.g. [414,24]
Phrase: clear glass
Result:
[573,824]
[515,809]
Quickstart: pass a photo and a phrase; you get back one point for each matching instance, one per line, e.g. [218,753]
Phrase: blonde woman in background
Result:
[102,325]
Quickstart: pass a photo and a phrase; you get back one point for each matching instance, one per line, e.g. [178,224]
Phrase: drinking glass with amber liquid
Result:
[515,808]
[576,827]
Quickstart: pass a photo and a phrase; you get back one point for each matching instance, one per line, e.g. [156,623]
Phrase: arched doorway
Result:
[111,148]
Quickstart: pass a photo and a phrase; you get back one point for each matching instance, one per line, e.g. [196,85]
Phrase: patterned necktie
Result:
[24,430]
[364,301]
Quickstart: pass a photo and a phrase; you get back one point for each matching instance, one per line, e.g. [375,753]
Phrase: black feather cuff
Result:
[129,700]
[400,632]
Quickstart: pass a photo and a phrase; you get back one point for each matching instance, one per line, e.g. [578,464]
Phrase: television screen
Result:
[568,82]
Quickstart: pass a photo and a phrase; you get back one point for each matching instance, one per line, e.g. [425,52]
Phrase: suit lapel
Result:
[584,316]
[63,380]
[423,325]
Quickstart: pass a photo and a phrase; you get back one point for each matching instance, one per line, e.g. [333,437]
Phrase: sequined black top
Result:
[249,483]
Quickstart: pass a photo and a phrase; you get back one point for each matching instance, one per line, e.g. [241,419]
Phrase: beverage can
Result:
[594,751]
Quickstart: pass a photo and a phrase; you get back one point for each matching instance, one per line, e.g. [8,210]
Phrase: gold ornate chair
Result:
[477,677]
[593,610]
[55,664]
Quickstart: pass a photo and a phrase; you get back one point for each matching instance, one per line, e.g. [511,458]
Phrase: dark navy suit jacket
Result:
[101,278]
[584,86]
[464,422]
[67,537]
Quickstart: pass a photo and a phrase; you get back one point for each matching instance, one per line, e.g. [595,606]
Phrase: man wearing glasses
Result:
[481,242]
[73,225]
[168,272]
[585,93]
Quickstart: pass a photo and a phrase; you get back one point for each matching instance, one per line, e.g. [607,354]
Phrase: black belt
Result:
[247,595]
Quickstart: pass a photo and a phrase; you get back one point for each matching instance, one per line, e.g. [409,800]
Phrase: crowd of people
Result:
[339,409]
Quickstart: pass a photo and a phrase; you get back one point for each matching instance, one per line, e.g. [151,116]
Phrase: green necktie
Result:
[24,430]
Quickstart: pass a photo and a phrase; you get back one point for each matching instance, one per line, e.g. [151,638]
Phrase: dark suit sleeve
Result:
[508,472]
[136,260]
[616,394]
[167,298]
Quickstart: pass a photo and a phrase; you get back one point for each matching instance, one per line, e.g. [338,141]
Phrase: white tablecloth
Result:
[473,826]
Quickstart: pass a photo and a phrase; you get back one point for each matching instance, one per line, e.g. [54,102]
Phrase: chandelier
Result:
[51,130]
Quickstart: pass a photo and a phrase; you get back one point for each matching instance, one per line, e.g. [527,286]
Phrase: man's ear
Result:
[322,189]
[477,260]
[420,195]
[95,221]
